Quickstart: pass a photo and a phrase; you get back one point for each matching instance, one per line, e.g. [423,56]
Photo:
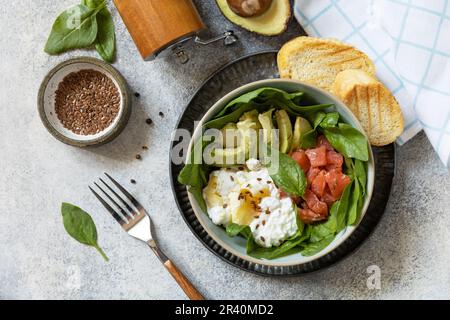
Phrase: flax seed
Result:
[87,102]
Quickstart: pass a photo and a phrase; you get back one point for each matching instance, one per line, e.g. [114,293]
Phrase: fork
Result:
[137,223]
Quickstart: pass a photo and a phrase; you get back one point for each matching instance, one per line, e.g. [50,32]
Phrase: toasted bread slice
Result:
[318,61]
[372,103]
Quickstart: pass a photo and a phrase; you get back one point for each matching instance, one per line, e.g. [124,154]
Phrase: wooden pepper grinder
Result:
[157,25]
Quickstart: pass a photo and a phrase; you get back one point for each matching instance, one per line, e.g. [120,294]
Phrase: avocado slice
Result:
[266,122]
[230,135]
[285,127]
[301,127]
[244,133]
[271,23]
[229,157]
[249,127]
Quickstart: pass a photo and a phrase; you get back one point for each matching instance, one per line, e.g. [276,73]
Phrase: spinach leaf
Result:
[218,123]
[308,140]
[353,209]
[75,28]
[318,118]
[330,120]
[360,174]
[234,229]
[105,44]
[289,176]
[80,226]
[348,141]
[342,207]
[328,228]
[262,96]
[315,247]
[276,252]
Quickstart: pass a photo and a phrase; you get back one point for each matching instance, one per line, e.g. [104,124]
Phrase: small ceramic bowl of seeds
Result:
[84,102]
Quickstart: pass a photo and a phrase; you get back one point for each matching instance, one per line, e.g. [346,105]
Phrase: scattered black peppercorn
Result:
[144,148]
[149,121]
[161,114]
[138,157]
[133,181]
[137,94]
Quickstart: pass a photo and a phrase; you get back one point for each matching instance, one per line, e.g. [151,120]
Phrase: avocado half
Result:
[273,22]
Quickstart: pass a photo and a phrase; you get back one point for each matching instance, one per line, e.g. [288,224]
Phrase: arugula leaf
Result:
[348,141]
[80,226]
[315,247]
[74,28]
[289,176]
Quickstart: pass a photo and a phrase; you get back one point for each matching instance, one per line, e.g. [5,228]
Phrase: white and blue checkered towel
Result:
[409,40]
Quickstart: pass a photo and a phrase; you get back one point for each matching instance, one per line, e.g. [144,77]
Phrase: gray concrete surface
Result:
[37,259]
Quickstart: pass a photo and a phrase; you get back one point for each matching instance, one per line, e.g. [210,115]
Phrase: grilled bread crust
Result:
[318,61]
[372,103]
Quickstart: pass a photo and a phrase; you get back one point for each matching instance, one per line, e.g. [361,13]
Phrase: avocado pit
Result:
[249,8]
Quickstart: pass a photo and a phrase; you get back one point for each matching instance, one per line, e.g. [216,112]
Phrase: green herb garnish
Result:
[82,26]
[80,226]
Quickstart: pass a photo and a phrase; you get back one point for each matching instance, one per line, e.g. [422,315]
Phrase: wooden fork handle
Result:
[183,282]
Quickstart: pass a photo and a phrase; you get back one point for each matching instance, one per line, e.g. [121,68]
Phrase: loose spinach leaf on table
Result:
[74,28]
[105,44]
[80,226]
[348,141]
[81,26]
[287,174]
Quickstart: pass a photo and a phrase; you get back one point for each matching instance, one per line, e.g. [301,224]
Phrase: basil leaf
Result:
[315,247]
[75,28]
[289,176]
[80,226]
[348,141]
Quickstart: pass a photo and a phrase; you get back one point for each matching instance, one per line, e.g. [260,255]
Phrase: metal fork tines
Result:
[133,218]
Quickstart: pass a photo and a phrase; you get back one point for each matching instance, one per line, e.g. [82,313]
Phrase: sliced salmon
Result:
[308,216]
[319,183]
[315,204]
[337,182]
[335,159]
[302,159]
[317,156]
[312,174]
[322,141]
